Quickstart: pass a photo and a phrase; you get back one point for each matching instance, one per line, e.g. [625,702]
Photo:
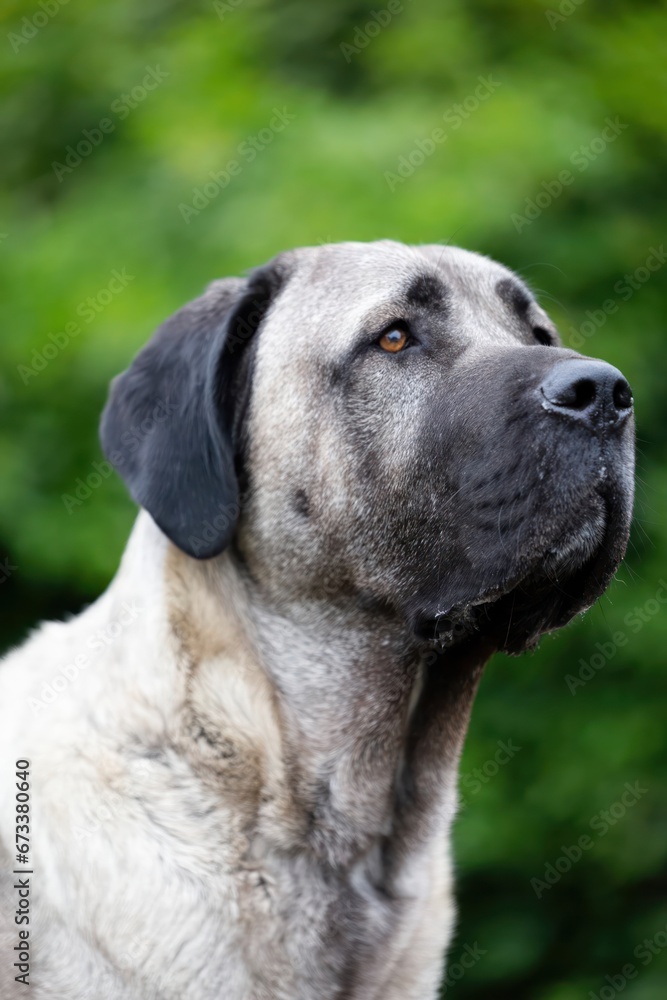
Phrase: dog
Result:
[363,470]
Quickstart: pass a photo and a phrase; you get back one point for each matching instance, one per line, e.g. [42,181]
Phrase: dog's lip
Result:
[563,588]
[557,563]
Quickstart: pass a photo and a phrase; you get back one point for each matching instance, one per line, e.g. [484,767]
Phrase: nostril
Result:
[583,393]
[589,391]
[622,395]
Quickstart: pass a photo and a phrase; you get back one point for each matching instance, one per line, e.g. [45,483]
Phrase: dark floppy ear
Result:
[171,423]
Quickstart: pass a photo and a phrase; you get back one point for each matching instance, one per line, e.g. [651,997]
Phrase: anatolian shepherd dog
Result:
[363,470]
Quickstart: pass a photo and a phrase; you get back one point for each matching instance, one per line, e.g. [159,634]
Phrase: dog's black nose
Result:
[591,392]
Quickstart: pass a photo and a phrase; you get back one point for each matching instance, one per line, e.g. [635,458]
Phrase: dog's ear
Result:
[172,423]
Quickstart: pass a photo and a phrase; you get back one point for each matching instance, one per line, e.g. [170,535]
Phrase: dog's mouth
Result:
[546,592]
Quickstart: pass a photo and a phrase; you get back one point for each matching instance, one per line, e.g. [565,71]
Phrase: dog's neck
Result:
[367,723]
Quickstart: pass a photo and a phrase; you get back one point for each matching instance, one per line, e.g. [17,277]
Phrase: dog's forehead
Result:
[472,275]
[389,268]
[335,288]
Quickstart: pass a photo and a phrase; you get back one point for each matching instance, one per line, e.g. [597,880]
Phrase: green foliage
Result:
[359,113]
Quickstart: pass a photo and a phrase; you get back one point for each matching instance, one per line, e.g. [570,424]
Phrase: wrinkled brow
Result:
[515,295]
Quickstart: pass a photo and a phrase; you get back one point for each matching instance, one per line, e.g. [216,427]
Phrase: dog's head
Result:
[388,424]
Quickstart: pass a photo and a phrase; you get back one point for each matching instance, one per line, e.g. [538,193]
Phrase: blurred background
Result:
[148,148]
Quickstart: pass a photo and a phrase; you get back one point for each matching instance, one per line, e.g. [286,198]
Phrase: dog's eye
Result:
[543,336]
[394,340]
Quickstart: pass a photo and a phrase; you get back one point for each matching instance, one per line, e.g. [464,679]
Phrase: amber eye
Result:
[393,340]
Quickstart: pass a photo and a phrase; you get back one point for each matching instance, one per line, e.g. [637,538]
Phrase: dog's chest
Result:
[196,900]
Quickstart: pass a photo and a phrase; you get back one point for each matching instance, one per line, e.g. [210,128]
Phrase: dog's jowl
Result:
[375,466]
